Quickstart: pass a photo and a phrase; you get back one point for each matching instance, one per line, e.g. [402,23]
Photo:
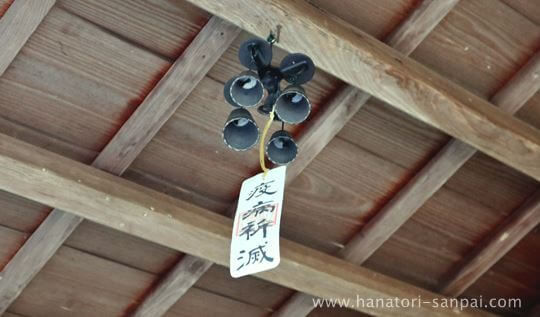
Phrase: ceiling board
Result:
[64,55]
[528,8]
[164,27]
[477,48]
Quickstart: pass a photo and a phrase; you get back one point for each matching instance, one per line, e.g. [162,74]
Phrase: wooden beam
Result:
[130,140]
[178,281]
[18,23]
[112,201]
[405,38]
[362,61]
[494,247]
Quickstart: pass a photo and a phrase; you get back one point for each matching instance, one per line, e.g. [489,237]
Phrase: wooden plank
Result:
[164,27]
[112,201]
[182,277]
[34,254]
[390,76]
[122,150]
[494,247]
[405,38]
[17,25]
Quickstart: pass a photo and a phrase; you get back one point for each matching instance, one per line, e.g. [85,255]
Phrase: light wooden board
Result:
[33,255]
[165,98]
[51,179]
[163,27]
[523,83]
[496,38]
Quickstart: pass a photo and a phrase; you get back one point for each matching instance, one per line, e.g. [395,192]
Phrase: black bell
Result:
[244,90]
[292,105]
[240,132]
[281,148]
[255,53]
[297,68]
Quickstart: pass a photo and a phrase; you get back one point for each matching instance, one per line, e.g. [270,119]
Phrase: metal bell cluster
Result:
[260,87]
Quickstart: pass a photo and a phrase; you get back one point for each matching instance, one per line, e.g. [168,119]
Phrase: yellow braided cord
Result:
[261,147]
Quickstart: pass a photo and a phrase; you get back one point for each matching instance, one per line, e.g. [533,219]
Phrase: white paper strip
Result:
[255,236]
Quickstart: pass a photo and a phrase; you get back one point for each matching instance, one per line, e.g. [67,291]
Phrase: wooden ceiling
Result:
[134,88]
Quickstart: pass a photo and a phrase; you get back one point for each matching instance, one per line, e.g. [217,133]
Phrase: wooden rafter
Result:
[426,182]
[319,132]
[109,200]
[183,76]
[494,247]
[17,25]
[362,61]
